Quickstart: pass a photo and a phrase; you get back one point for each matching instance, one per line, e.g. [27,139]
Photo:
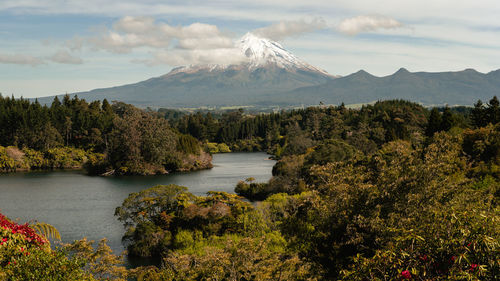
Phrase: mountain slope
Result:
[268,70]
[454,88]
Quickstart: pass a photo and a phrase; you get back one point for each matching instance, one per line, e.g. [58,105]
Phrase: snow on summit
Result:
[259,53]
[262,52]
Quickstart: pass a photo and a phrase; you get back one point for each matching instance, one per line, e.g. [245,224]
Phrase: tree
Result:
[140,143]
[434,124]
[493,111]
[448,120]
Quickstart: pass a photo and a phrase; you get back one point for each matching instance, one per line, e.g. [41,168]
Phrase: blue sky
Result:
[57,46]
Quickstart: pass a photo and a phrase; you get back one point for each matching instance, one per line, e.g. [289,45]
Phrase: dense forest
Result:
[391,191]
[105,138]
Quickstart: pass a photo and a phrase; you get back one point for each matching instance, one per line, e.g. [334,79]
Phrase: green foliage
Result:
[106,139]
[140,143]
[368,209]
[249,145]
[213,148]
[26,255]
[96,164]
[223,148]
[13,159]
[434,124]
[45,266]
[99,263]
[463,246]
[253,191]
[188,144]
[35,159]
[46,230]
[483,144]
[483,115]
[65,157]
[387,192]
[330,151]
[293,132]
[243,259]
[157,218]
[7,163]
[287,175]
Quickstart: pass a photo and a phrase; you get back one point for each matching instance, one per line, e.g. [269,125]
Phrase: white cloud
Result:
[20,59]
[284,29]
[205,43]
[65,57]
[178,57]
[173,45]
[130,33]
[355,25]
[129,24]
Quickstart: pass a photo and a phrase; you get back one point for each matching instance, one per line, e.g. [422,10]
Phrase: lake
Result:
[83,206]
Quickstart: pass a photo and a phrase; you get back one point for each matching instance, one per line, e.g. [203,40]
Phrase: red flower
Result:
[4,240]
[406,274]
[473,266]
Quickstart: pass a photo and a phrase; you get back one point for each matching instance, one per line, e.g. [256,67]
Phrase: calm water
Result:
[83,206]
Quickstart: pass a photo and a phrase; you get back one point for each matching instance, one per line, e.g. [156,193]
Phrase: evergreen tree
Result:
[434,124]
[493,111]
[477,115]
[448,120]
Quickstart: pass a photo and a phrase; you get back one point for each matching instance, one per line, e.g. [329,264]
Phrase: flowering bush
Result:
[26,255]
[17,240]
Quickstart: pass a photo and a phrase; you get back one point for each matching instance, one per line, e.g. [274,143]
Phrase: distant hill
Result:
[272,76]
[452,88]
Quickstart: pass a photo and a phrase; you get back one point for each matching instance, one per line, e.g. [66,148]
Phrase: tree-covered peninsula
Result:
[104,138]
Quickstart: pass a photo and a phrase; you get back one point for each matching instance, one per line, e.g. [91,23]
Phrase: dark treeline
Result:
[366,128]
[229,127]
[116,138]
[72,122]
[287,132]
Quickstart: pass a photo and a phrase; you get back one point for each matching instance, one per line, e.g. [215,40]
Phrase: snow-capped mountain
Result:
[263,52]
[258,53]
[265,71]
[269,75]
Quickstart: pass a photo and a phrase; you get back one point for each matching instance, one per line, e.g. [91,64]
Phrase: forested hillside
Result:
[113,139]
[391,191]
[388,192]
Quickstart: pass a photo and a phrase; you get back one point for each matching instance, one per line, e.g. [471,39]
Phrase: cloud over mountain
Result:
[283,29]
[173,45]
[359,24]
